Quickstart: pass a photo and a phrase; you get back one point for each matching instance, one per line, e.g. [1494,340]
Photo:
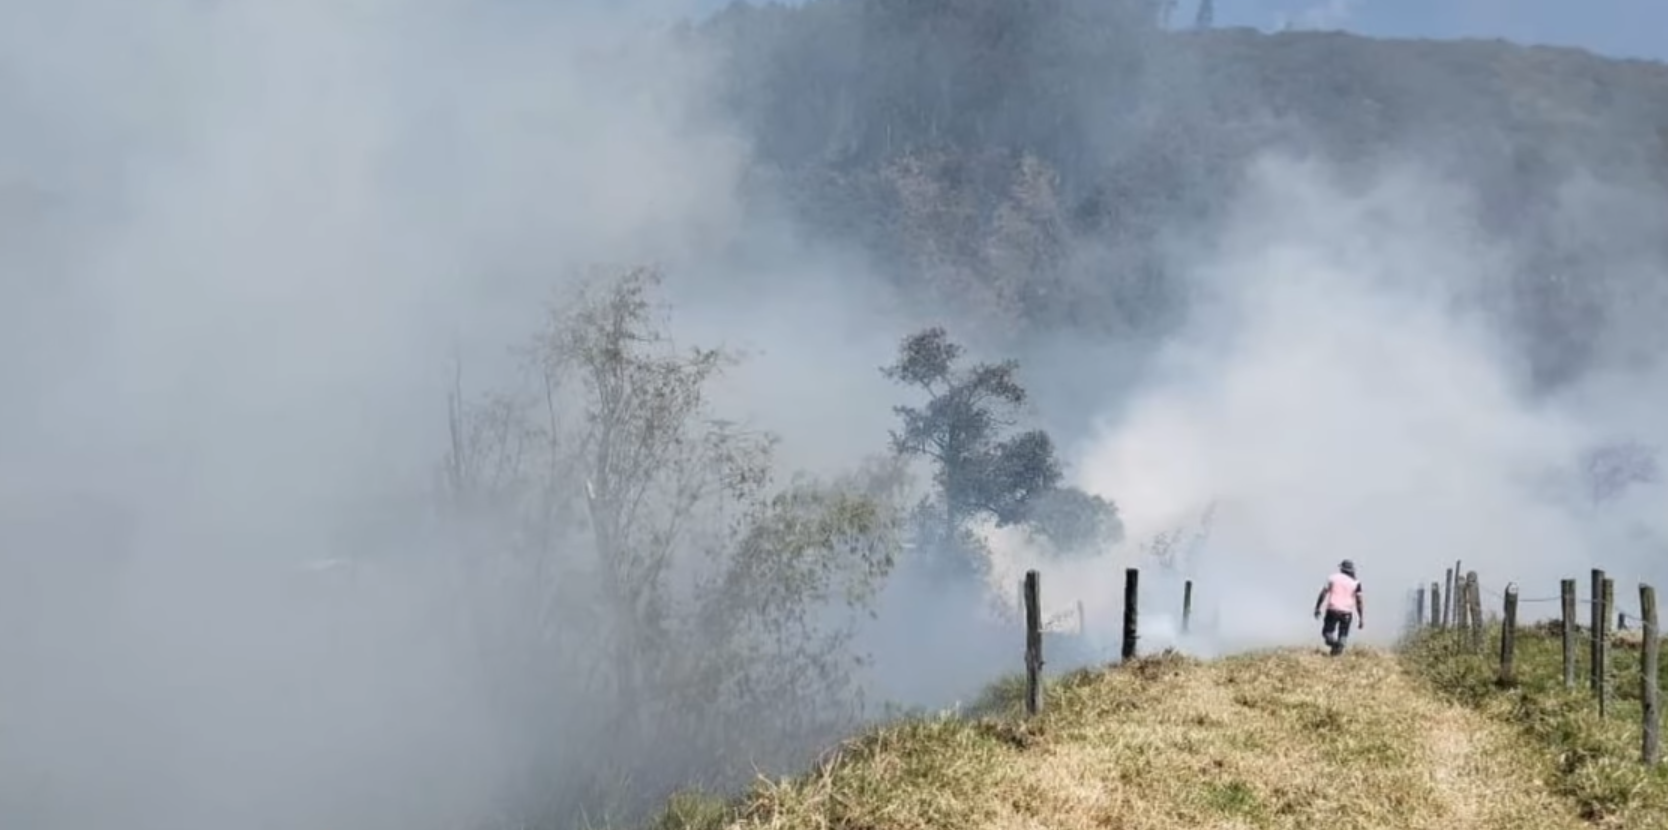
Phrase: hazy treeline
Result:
[1037,164]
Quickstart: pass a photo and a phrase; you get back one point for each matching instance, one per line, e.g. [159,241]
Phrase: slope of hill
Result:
[1035,164]
[1282,739]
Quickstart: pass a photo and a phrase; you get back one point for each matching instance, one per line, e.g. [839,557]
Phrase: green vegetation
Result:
[1592,760]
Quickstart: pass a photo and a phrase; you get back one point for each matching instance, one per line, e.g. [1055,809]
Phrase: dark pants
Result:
[1335,629]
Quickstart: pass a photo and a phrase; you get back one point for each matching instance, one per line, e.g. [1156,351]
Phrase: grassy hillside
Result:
[1594,761]
[1284,739]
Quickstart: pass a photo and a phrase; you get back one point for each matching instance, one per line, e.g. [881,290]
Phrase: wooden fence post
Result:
[1648,690]
[1609,610]
[1187,606]
[1419,608]
[1436,605]
[1480,620]
[1566,591]
[1461,602]
[1454,615]
[1474,611]
[1508,638]
[1604,645]
[1132,579]
[1033,643]
[1448,600]
[1457,601]
[1595,624]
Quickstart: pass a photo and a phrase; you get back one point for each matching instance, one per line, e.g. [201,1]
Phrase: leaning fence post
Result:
[1132,578]
[1419,608]
[1033,643]
[1447,599]
[1459,593]
[1508,638]
[1648,687]
[1566,591]
[1187,606]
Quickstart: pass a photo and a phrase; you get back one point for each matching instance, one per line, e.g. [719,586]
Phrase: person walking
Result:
[1340,601]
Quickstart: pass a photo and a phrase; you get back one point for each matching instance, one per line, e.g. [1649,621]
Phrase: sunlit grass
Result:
[1593,761]
[1282,739]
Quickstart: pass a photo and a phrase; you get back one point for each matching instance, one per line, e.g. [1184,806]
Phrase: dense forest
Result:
[1030,161]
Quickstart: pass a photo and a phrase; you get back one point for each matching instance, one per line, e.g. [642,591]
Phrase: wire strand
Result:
[1590,637]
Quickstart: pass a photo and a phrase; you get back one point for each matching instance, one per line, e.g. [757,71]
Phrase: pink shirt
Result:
[1340,592]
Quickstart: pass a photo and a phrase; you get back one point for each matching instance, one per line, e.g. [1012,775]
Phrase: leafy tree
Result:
[1075,522]
[647,459]
[979,472]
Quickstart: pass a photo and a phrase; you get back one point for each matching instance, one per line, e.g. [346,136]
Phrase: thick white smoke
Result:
[1339,392]
[260,234]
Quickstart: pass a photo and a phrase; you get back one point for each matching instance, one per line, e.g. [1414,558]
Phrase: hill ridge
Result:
[1278,738]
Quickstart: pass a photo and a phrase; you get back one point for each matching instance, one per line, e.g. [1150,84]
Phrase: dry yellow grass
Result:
[1285,739]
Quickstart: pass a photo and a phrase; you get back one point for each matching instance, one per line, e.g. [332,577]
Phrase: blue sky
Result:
[1619,28]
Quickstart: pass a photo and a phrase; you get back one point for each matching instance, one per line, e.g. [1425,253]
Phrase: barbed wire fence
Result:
[1456,605]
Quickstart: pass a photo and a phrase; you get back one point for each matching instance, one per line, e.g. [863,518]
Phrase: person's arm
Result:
[1360,610]
[1320,599]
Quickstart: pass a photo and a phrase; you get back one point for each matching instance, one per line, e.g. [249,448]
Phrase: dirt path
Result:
[1295,739]
[1486,775]
[1411,760]
[1453,766]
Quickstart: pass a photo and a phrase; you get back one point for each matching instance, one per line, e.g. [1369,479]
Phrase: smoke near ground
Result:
[1345,388]
[253,239]
[251,251]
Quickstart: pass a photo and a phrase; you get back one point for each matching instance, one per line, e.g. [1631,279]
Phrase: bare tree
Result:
[719,618]
[650,455]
